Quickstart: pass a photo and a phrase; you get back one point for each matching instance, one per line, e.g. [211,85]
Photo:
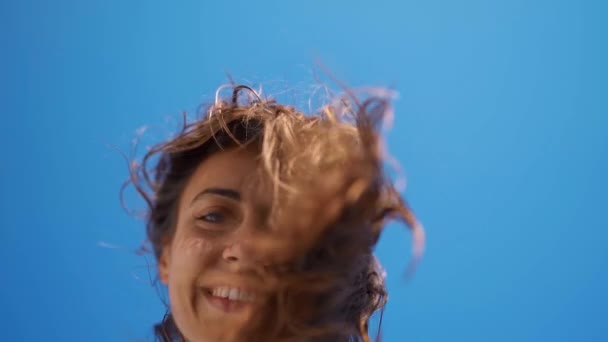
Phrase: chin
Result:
[212,319]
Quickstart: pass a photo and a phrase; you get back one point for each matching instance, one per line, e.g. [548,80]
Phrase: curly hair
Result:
[331,201]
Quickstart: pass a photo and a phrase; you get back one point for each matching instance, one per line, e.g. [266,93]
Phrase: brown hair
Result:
[331,202]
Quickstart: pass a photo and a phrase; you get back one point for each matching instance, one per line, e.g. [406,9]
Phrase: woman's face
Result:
[213,278]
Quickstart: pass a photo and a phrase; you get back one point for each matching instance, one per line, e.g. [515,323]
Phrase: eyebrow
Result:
[224,192]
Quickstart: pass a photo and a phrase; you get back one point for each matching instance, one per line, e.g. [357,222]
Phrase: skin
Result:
[219,213]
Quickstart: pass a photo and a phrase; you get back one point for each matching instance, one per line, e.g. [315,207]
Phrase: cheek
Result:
[193,253]
[191,258]
[196,246]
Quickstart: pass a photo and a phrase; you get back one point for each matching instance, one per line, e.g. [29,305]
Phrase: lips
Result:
[229,299]
[232,293]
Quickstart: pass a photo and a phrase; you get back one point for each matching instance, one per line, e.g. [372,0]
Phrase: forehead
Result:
[235,169]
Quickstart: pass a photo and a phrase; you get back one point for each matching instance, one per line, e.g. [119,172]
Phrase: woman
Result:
[263,221]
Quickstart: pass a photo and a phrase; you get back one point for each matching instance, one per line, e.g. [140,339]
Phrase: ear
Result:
[164,261]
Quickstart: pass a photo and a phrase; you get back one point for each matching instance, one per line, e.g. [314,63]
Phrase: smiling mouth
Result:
[229,300]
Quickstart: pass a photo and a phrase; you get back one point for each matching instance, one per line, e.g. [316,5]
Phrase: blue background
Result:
[501,127]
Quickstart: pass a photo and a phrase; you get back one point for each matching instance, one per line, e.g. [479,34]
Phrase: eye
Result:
[214,217]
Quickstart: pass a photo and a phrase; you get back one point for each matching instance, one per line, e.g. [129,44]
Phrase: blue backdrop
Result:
[501,127]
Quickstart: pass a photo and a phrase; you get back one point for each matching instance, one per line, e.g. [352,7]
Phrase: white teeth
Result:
[233,294]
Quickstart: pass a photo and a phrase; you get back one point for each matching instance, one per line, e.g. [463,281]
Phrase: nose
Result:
[232,253]
[238,253]
[241,250]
